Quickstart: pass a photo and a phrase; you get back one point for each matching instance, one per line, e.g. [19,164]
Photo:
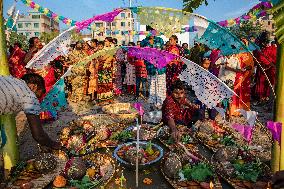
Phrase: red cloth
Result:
[140,68]
[215,54]
[174,110]
[266,57]
[16,63]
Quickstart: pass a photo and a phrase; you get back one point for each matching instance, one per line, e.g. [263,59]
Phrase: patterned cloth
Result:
[173,110]
[16,64]
[130,77]
[105,78]
[16,96]
[157,89]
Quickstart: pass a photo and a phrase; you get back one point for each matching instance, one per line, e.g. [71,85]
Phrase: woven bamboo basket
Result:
[118,109]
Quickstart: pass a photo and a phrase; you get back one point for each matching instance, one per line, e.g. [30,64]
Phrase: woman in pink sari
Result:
[242,83]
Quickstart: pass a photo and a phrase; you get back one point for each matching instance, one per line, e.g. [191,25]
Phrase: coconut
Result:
[172,165]
[103,134]
[130,156]
[77,169]
[45,163]
[226,154]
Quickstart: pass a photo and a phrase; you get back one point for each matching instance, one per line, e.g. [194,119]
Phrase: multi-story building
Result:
[35,23]
[120,28]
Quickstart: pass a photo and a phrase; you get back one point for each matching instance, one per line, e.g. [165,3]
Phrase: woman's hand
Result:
[176,135]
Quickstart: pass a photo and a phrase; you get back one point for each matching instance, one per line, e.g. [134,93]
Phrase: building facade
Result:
[35,23]
[120,28]
[268,24]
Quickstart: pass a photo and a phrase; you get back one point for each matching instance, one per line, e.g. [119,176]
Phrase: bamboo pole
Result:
[10,150]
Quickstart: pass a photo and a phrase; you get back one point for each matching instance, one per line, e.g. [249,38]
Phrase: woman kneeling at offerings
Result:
[177,109]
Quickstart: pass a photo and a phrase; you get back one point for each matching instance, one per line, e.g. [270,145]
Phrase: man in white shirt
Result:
[22,95]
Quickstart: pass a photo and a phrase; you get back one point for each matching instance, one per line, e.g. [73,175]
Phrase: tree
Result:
[22,39]
[190,5]
[246,29]
[47,37]
[76,36]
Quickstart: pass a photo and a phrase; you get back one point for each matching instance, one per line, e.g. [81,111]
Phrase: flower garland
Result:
[254,13]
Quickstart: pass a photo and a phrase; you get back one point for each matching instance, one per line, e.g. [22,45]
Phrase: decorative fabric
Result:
[174,110]
[168,21]
[276,130]
[16,96]
[216,37]
[208,88]
[55,99]
[244,130]
[254,13]
[57,47]
[157,90]
[130,77]
[250,116]
[159,58]
[139,107]
[107,17]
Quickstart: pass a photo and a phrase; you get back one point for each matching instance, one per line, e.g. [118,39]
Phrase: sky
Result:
[217,10]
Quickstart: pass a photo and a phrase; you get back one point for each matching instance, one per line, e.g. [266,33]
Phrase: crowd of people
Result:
[110,75]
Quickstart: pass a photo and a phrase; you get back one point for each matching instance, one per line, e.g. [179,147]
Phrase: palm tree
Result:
[10,150]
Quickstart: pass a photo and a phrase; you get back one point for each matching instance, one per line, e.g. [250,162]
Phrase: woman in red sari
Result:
[242,83]
[267,58]
[174,67]
[16,61]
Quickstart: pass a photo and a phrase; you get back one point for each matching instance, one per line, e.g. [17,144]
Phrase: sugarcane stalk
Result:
[279,109]
[10,150]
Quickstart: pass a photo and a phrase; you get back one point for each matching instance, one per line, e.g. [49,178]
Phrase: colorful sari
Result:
[174,68]
[16,64]
[242,85]
[78,79]
[267,59]
[105,78]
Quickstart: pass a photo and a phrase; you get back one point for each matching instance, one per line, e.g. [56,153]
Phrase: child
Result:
[141,77]
[205,63]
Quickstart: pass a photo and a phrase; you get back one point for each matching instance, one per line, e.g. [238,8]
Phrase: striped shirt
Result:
[16,96]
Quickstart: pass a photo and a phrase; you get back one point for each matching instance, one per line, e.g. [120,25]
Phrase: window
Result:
[27,34]
[123,43]
[122,15]
[128,15]
[28,25]
[20,33]
[37,34]
[114,24]
[35,16]
[108,24]
[122,24]
[273,25]
[129,24]
[98,25]
[122,32]
[20,25]
[36,25]
[268,23]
